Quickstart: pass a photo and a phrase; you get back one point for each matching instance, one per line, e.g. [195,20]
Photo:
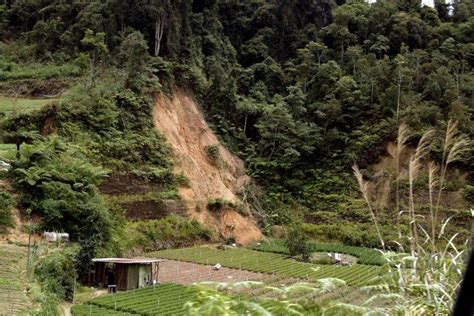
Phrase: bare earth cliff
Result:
[183,124]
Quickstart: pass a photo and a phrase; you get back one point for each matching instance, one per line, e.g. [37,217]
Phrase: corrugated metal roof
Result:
[128,260]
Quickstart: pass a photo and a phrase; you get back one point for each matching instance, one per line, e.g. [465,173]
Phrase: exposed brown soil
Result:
[127,184]
[186,273]
[151,209]
[180,120]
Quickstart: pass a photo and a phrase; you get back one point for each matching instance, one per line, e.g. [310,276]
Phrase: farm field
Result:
[8,104]
[164,299]
[271,263]
[364,255]
[12,299]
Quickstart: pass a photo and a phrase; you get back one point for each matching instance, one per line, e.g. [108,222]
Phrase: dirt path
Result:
[185,129]
[186,273]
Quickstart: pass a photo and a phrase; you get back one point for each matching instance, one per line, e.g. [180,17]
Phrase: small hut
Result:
[125,274]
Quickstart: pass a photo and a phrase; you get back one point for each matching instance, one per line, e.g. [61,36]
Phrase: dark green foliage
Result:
[57,183]
[57,273]
[6,219]
[352,234]
[297,243]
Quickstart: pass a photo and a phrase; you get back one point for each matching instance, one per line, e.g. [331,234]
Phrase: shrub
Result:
[297,243]
[6,220]
[57,273]
[212,151]
[58,183]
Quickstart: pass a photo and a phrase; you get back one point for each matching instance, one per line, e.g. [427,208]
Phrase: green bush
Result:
[298,243]
[57,182]
[212,151]
[6,203]
[352,234]
[57,273]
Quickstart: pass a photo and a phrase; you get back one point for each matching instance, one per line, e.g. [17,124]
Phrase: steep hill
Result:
[210,179]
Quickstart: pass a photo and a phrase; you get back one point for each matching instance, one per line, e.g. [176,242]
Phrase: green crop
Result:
[271,263]
[163,299]
[364,255]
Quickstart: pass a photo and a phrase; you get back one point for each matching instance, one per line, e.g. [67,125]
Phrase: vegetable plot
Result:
[271,263]
[364,255]
[164,299]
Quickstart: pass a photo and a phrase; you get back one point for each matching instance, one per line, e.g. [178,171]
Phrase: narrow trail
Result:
[187,133]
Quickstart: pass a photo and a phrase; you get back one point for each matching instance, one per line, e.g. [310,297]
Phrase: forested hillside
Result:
[299,90]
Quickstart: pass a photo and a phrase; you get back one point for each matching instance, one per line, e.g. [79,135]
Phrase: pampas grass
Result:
[414,167]
[428,278]
[432,183]
[364,189]
[455,146]
[403,136]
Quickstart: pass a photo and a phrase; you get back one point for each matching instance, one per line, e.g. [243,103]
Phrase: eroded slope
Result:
[180,120]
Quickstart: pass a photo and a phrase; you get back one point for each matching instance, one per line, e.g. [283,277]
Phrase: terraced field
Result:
[364,255]
[8,104]
[12,299]
[165,299]
[271,263]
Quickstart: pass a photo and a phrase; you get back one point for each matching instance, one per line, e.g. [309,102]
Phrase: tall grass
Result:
[402,139]
[429,277]
[364,189]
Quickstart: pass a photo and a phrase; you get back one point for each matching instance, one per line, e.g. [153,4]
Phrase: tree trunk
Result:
[245,124]
[159,29]
[399,93]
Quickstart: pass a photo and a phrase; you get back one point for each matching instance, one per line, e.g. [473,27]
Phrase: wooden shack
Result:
[125,274]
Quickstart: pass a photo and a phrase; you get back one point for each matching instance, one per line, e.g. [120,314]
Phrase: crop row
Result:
[272,263]
[93,310]
[364,255]
[165,299]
